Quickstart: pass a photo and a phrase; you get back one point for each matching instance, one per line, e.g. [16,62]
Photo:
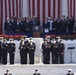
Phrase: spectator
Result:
[46,26]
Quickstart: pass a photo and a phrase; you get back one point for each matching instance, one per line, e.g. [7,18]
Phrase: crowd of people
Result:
[63,25]
[50,47]
[26,24]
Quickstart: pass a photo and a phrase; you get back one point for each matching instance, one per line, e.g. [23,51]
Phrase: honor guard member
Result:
[7,72]
[61,52]
[31,49]
[70,72]
[4,51]
[53,52]
[36,72]
[44,50]
[25,39]
[57,51]
[49,48]
[23,53]
[0,48]
[11,51]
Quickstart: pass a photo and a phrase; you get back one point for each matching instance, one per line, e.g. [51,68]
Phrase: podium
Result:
[36,31]
[71,48]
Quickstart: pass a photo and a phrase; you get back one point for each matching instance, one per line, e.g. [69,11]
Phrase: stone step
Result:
[56,69]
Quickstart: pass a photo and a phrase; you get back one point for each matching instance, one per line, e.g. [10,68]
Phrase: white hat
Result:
[70,70]
[58,37]
[7,70]
[11,39]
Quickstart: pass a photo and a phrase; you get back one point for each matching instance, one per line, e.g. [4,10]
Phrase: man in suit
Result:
[46,26]
[7,26]
[13,24]
[7,72]
[36,72]
[18,26]
[70,72]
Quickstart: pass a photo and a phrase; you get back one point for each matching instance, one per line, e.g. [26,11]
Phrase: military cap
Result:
[69,70]
[11,39]
[22,39]
[7,70]
[5,40]
[58,37]
[36,69]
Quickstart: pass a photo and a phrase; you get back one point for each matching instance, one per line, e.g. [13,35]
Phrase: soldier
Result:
[11,51]
[69,72]
[49,48]
[44,49]
[7,72]
[46,52]
[36,72]
[31,50]
[53,52]
[0,48]
[4,51]
[57,49]
[61,52]
[23,52]
[1,42]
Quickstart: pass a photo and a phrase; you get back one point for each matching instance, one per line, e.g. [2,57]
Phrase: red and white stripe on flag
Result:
[71,8]
[44,8]
[9,8]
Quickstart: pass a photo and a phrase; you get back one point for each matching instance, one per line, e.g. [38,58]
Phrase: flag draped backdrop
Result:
[45,8]
[71,8]
[9,8]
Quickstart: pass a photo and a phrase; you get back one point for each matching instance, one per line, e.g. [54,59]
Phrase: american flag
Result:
[71,8]
[45,8]
[9,8]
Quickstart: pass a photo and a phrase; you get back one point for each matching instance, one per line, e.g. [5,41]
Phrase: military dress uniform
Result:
[69,72]
[31,51]
[56,52]
[46,52]
[53,53]
[11,51]
[0,49]
[4,51]
[61,53]
[36,72]
[23,52]
[7,72]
